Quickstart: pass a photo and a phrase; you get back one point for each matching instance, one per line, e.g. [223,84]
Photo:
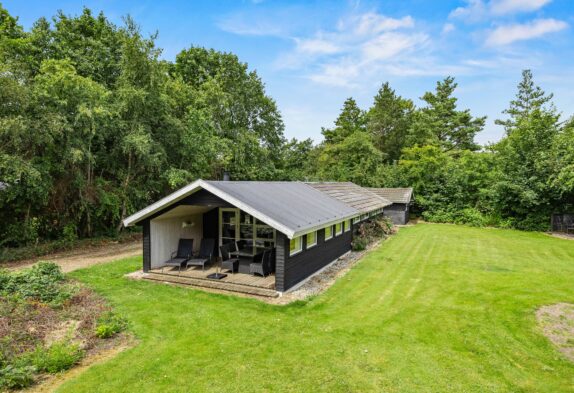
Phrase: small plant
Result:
[16,377]
[359,244]
[43,282]
[109,324]
[57,357]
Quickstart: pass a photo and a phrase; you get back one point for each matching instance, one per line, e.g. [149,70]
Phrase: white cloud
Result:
[359,46]
[317,46]
[501,7]
[447,28]
[508,34]
[388,45]
[373,23]
[477,10]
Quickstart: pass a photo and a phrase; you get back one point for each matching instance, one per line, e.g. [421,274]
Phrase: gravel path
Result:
[85,257]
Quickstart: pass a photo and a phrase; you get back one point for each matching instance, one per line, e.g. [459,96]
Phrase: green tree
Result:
[440,123]
[351,119]
[388,121]
[354,159]
[528,99]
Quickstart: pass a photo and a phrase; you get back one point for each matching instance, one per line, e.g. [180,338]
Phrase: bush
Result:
[42,282]
[16,377]
[370,231]
[109,324]
[57,357]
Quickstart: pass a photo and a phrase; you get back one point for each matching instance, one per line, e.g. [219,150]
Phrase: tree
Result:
[351,119]
[388,122]
[528,99]
[441,124]
[353,159]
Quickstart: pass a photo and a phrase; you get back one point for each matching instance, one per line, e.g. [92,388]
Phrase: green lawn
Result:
[437,308]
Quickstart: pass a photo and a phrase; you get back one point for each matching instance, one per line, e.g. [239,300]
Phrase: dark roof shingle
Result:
[395,195]
[352,195]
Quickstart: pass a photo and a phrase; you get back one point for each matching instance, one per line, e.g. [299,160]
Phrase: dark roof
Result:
[395,195]
[292,208]
[353,195]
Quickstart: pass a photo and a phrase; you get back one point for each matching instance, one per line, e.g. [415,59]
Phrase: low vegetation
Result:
[371,231]
[47,324]
[437,308]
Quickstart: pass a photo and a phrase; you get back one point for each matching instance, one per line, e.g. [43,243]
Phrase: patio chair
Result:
[179,258]
[264,267]
[204,256]
[227,262]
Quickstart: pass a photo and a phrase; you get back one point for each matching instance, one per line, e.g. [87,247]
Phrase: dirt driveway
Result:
[84,257]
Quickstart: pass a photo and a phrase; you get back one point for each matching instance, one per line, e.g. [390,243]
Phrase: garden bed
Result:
[48,324]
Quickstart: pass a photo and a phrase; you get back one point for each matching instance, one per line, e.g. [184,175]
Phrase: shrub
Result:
[16,377]
[109,324]
[57,357]
[43,282]
[371,231]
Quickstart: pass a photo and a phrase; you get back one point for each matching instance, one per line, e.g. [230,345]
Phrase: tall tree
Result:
[388,121]
[440,123]
[351,119]
[528,99]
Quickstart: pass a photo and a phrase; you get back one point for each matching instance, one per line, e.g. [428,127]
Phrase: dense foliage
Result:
[94,126]
[518,182]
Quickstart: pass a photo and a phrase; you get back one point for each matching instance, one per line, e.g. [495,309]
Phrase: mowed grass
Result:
[436,308]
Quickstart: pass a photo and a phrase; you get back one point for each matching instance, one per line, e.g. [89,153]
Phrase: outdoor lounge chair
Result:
[264,267]
[180,257]
[204,256]
[227,262]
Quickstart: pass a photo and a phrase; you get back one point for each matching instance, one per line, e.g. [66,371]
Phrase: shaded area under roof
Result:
[352,195]
[295,205]
[395,195]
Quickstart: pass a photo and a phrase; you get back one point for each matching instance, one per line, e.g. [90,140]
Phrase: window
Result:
[338,228]
[295,246]
[364,217]
[328,232]
[238,227]
[311,239]
[356,220]
[347,225]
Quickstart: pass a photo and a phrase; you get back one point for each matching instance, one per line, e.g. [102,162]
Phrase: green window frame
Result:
[329,232]
[295,245]
[311,239]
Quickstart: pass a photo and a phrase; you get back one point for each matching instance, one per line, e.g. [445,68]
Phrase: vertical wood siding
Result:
[146,246]
[291,270]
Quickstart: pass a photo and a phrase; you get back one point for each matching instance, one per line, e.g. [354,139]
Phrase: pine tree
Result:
[529,98]
[440,123]
[351,119]
[388,121]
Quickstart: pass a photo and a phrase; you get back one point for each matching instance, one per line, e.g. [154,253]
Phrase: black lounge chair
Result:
[227,262]
[264,267]
[204,256]
[183,253]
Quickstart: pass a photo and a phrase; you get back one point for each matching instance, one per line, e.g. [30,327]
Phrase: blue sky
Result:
[313,55]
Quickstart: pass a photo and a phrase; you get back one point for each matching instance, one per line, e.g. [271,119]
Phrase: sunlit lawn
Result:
[437,308]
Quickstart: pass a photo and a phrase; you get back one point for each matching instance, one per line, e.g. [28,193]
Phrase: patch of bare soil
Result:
[557,323]
[85,257]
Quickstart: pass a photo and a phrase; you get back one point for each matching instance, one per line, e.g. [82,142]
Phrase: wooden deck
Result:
[238,282]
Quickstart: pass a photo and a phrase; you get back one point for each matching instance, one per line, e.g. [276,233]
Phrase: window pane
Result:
[328,232]
[311,239]
[295,245]
[264,232]
[228,230]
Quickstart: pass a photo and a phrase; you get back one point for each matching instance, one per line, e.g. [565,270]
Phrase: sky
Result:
[312,55]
